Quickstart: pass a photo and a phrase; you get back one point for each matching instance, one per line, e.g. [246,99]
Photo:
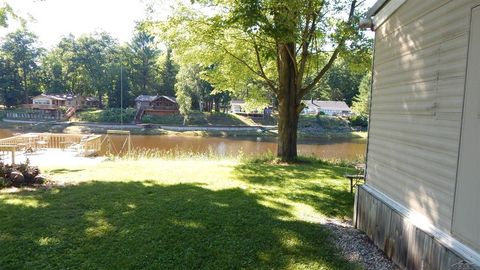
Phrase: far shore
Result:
[154,129]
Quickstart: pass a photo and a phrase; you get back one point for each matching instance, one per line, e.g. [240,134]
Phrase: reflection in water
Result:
[342,148]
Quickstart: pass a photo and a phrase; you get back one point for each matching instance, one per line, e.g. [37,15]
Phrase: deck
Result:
[41,148]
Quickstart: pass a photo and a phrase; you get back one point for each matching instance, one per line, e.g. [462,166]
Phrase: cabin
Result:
[92,102]
[44,101]
[157,105]
[421,198]
[332,108]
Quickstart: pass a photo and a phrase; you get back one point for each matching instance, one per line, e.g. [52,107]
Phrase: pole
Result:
[121,96]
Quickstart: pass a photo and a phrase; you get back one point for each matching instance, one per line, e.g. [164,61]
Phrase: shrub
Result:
[110,115]
[359,120]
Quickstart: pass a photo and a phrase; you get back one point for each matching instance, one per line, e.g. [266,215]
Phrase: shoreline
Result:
[168,130]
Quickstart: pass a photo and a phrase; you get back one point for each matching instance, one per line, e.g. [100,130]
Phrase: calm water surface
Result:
[340,148]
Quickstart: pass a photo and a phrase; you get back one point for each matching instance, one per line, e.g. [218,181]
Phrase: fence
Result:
[35,115]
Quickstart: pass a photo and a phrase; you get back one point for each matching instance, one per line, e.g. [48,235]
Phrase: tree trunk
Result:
[289,103]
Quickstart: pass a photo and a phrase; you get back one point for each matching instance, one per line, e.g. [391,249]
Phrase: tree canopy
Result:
[256,46]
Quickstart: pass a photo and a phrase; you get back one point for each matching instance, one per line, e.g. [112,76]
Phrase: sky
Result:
[52,19]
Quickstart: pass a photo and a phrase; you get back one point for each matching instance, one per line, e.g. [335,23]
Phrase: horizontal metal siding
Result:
[417,99]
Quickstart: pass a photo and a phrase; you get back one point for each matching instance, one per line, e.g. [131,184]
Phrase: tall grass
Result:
[267,157]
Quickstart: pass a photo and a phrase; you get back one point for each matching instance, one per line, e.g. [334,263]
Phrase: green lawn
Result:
[177,214]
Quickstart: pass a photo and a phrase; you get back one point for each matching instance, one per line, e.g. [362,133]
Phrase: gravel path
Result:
[357,247]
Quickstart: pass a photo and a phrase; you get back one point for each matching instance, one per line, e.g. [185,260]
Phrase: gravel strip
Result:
[357,247]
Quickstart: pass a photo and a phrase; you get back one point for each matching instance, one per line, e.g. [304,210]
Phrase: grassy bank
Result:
[178,214]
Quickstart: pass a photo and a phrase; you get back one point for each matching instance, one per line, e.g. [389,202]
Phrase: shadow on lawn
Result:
[136,225]
[315,183]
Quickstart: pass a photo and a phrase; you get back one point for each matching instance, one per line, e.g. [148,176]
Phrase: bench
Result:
[354,179]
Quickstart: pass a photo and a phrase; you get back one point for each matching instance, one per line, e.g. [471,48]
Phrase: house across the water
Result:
[421,200]
[237,106]
[54,102]
[333,108]
[47,102]
[157,105]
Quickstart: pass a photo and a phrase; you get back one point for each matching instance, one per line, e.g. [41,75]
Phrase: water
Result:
[340,148]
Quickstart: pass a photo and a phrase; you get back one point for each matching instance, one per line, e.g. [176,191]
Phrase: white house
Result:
[326,107]
[48,101]
[237,106]
[421,200]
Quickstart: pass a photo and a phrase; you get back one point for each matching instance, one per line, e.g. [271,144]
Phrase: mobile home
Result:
[421,200]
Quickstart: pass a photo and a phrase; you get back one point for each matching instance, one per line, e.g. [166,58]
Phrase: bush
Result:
[110,115]
[163,120]
[359,120]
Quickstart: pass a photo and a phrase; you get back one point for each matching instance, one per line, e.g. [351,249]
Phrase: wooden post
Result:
[13,155]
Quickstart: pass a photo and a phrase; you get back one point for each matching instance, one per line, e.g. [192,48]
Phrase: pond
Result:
[339,148]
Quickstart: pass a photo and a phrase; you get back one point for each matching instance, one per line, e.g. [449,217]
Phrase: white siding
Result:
[466,224]
[417,100]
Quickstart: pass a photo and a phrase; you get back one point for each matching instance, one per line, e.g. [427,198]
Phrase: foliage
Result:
[361,101]
[19,56]
[169,73]
[283,47]
[143,56]
[322,121]
[110,115]
[360,120]
[196,118]
[91,65]
[232,215]
[193,92]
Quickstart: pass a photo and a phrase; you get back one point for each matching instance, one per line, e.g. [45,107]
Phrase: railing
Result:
[41,106]
[85,144]
[34,115]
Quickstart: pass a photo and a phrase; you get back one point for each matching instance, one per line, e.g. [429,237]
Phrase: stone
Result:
[40,179]
[17,178]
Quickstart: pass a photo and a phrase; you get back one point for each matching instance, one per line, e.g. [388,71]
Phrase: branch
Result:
[262,71]
[304,54]
[249,67]
[333,57]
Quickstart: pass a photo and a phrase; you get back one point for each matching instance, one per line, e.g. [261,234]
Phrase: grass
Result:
[196,119]
[192,213]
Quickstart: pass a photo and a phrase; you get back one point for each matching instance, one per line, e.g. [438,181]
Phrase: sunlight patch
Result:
[27,202]
[188,224]
[100,224]
[46,241]
[222,205]
[131,205]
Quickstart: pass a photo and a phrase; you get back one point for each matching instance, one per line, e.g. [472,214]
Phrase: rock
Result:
[40,179]
[17,178]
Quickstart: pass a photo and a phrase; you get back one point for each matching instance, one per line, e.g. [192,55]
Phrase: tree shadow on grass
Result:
[317,184]
[142,225]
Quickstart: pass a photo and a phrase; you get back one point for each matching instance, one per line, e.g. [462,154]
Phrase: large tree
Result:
[21,50]
[95,53]
[285,46]
[143,59]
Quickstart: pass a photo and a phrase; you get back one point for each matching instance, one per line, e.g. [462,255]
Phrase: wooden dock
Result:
[81,144]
